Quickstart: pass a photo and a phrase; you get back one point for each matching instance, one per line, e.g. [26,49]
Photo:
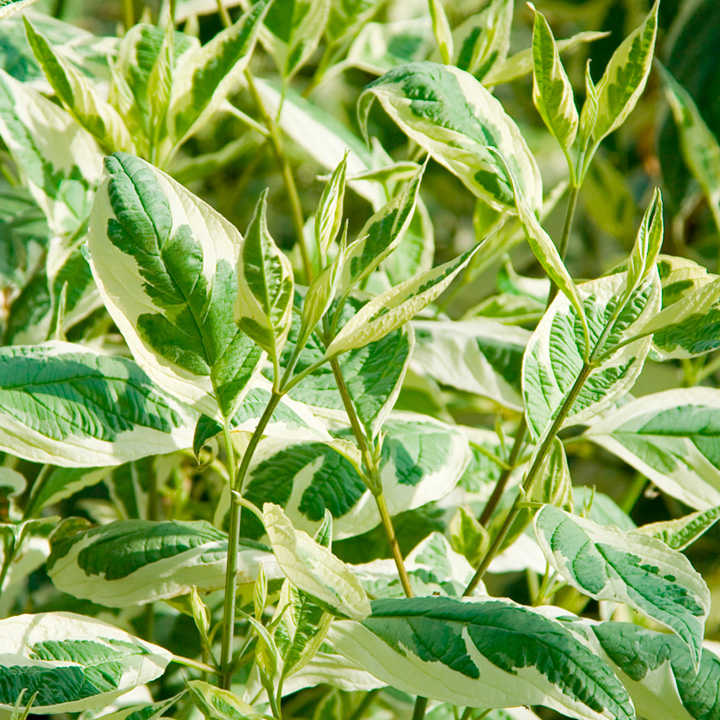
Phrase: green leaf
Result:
[545,250]
[263,307]
[647,243]
[208,74]
[682,532]
[394,307]
[147,59]
[61,483]
[555,357]
[64,404]
[59,161]
[625,76]
[165,265]
[462,126]
[673,438]
[483,40]
[381,234]
[659,672]
[441,30]
[322,136]
[218,704]
[329,214]
[8,8]
[422,460]
[133,562]
[521,63]
[492,653]
[373,374]
[699,145]
[629,567]
[433,568]
[313,568]
[77,95]
[477,356]
[292,31]
[552,92]
[73,662]
[379,47]
[301,628]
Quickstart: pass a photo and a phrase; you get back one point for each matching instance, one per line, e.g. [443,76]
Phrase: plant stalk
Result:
[502,482]
[530,477]
[287,174]
[235,481]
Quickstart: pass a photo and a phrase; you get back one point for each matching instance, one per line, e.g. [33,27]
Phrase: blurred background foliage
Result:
[229,165]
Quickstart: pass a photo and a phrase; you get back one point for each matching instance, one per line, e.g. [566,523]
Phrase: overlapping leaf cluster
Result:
[281,472]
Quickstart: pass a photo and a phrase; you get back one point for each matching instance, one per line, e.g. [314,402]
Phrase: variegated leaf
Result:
[683,531]
[422,460]
[688,326]
[629,567]
[292,30]
[625,76]
[489,653]
[394,307]
[477,356]
[461,125]
[673,438]
[73,662]
[264,302]
[381,234]
[554,361]
[483,40]
[165,265]
[313,568]
[139,55]
[133,562]
[700,147]
[208,74]
[433,568]
[380,47]
[8,8]
[659,673]
[521,63]
[76,93]
[64,404]
[552,91]
[373,374]
[60,162]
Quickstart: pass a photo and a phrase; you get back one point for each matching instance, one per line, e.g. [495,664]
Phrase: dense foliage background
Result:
[241,149]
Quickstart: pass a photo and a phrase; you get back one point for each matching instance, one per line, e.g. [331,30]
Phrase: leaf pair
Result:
[165,86]
[607,104]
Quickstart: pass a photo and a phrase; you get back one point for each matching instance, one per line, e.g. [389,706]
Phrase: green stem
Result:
[235,481]
[530,477]
[420,708]
[565,237]
[372,478]
[287,174]
[502,482]
[633,493]
[195,664]
[224,14]
[365,703]
[128,13]
[38,485]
